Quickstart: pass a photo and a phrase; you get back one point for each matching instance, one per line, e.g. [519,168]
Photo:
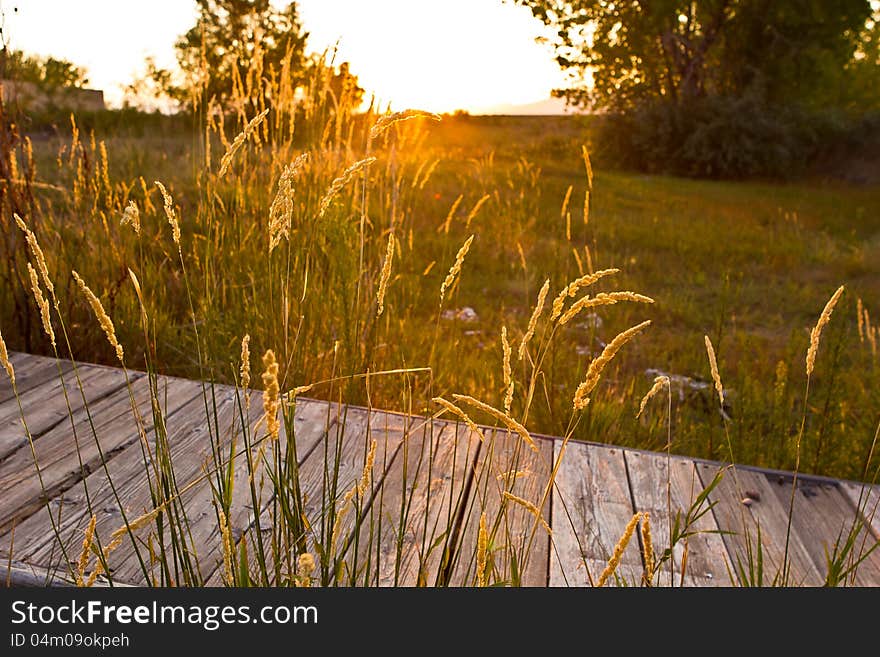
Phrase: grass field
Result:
[402,262]
[748,264]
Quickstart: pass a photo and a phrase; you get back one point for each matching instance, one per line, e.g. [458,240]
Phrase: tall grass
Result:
[312,236]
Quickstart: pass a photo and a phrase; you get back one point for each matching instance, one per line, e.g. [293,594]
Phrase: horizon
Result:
[495,67]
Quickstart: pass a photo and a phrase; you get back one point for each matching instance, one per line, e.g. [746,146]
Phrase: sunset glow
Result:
[439,55]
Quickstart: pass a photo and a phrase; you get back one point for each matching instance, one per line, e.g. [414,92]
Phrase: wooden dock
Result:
[439,464]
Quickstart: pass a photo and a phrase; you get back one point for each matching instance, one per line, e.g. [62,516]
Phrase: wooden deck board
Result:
[591,507]
[765,512]
[428,475]
[46,407]
[116,430]
[423,490]
[823,518]
[504,456]
[664,490]
[30,372]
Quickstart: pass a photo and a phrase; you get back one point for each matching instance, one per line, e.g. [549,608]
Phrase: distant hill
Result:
[548,107]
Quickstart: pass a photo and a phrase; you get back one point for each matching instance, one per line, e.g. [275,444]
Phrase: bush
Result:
[721,137]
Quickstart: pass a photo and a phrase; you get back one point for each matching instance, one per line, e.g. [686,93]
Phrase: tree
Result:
[47,71]
[234,34]
[641,51]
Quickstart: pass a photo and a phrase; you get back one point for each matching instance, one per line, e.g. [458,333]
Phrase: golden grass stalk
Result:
[571,289]
[305,566]
[271,394]
[505,419]
[245,362]
[531,508]
[83,560]
[132,217]
[101,315]
[228,554]
[601,299]
[659,382]
[816,333]
[168,203]
[614,561]
[588,166]
[4,360]
[473,213]
[359,489]
[136,524]
[339,183]
[508,372]
[713,366]
[445,225]
[389,120]
[239,140]
[522,256]
[861,319]
[367,474]
[385,275]
[597,365]
[37,253]
[648,542]
[281,210]
[42,304]
[533,320]
[455,410]
[482,552]
[456,267]
[566,201]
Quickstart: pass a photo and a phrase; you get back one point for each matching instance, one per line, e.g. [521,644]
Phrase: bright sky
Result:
[438,55]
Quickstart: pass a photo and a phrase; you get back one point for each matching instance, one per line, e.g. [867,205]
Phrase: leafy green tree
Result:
[47,71]
[231,34]
[640,51]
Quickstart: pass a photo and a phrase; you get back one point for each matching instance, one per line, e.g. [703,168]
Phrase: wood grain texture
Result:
[30,372]
[51,404]
[73,498]
[591,506]
[666,488]
[866,499]
[404,537]
[823,518]
[766,512]
[506,464]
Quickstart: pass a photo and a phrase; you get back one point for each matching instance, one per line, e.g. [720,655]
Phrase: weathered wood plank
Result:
[866,499]
[591,506]
[405,533]
[823,519]
[310,423]
[46,407]
[59,453]
[506,464]
[666,488]
[765,511]
[328,472]
[30,372]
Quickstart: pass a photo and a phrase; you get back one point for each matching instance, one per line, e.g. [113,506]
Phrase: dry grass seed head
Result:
[37,253]
[533,320]
[132,217]
[168,204]
[482,551]
[42,304]
[389,120]
[507,370]
[245,362]
[505,419]
[601,299]
[339,183]
[597,365]
[4,360]
[239,140]
[455,410]
[648,543]
[614,561]
[385,275]
[86,550]
[101,315]
[531,508]
[571,289]
[713,366]
[659,382]
[816,333]
[456,267]
[281,210]
[271,394]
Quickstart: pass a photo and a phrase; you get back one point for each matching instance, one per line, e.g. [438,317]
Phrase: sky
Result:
[437,55]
